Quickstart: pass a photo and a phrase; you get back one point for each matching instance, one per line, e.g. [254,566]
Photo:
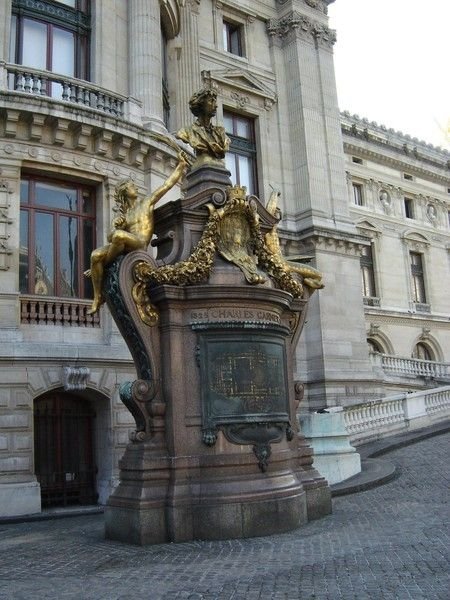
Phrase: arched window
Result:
[374,346]
[422,352]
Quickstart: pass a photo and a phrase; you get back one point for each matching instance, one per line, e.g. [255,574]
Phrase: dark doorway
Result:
[64,450]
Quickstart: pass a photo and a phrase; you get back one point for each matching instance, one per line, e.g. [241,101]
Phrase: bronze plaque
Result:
[243,379]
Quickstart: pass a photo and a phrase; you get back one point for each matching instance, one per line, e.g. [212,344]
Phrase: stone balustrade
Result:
[373,420]
[57,311]
[39,83]
[411,367]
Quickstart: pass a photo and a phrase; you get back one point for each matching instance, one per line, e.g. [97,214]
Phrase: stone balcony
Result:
[20,81]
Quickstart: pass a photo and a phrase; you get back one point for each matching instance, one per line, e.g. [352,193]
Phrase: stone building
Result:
[85,87]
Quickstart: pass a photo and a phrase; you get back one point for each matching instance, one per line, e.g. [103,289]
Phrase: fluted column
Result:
[145,68]
[5,20]
[189,76]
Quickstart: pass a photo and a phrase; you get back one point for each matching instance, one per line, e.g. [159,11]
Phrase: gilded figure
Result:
[209,141]
[132,229]
[311,277]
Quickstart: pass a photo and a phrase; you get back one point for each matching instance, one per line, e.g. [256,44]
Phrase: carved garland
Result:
[198,266]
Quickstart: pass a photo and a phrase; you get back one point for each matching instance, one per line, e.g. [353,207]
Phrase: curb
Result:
[376,472]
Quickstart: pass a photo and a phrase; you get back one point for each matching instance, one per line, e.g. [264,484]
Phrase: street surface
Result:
[391,542]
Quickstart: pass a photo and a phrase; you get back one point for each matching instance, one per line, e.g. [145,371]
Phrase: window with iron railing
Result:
[51,36]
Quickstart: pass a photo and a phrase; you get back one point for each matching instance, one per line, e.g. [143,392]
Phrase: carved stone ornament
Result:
[75,378]
[139,396]
[385,201]
[302,26]
[432,214]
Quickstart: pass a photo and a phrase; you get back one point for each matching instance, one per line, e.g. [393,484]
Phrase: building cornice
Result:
[378,153]
[409,147]
[61,137]
[320,5]
[381,316]
[302,27]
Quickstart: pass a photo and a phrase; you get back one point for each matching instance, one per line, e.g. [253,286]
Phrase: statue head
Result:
[125,191]
[203,102]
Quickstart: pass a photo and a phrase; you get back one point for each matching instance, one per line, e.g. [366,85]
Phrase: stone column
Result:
[5,22]
[145,60]
[332,358]
[189,76]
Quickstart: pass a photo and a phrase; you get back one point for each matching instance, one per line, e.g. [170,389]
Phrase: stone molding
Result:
[75,378]
[331,242]
[242,87]
[58,140]
[382,317]
[415,240]
[46,377]
[170,15]
[369,229]
[301,27]
[413,148]
[380,156]
[243,12]
[5,224]
[320,5]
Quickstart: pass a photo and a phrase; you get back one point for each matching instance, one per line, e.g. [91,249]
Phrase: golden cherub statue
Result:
[311,277]
[132,229]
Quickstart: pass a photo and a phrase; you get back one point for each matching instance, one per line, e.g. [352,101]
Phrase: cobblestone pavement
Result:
[391,542]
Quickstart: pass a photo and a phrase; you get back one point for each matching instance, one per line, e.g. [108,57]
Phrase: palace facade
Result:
[85,89]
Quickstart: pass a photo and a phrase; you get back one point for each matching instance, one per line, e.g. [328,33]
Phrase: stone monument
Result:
[211,324]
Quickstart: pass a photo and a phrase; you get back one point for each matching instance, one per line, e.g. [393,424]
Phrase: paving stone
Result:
[390,542]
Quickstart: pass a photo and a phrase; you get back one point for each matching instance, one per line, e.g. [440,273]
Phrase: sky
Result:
[392,64]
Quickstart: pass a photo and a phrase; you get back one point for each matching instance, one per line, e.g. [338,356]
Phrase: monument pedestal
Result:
[217,452]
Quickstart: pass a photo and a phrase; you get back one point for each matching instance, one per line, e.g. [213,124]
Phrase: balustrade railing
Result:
[414,367]
[394,413]
[44,83]
[374,415]
[57,311]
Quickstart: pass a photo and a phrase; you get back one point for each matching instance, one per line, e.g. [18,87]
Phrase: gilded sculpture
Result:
[132,229]
[311,277]
[209,141]
[234,231]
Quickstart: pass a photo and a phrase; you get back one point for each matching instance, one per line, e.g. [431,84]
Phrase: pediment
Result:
[240,80]
[415,236]
[415,239]
[368,228]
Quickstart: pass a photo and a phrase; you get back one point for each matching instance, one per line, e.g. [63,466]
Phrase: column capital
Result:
[300,26]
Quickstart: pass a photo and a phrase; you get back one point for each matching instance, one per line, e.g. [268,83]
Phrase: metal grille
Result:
[64,453]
